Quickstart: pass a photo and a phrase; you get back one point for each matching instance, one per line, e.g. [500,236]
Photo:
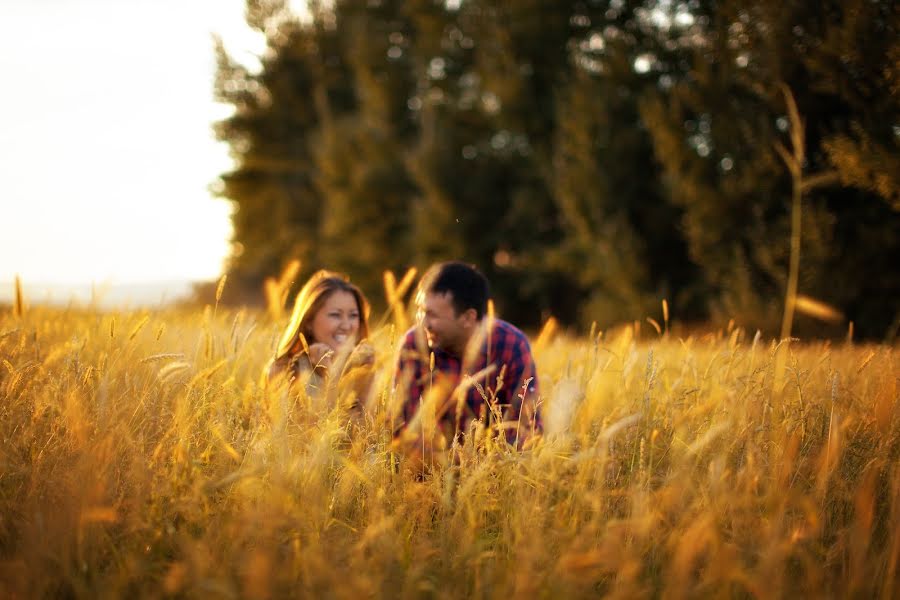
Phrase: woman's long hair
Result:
[309,300]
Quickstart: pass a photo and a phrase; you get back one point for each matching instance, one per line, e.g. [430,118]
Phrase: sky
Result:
[106,148]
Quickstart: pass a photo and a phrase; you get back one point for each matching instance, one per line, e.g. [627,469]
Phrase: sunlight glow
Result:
[106,145]
[643,63]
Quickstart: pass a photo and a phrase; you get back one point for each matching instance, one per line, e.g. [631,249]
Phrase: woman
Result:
[330,315]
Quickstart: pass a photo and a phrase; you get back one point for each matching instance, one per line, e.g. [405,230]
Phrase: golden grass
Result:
[139,456]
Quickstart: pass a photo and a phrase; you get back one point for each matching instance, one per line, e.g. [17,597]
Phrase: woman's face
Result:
[337,321]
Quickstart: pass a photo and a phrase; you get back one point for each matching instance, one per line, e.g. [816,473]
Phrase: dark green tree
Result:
[592,157]
[480,197]
[360,153]
[277,205]
[717,133]
[620,227]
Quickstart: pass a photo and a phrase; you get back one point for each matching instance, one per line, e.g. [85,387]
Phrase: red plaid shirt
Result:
[506,348]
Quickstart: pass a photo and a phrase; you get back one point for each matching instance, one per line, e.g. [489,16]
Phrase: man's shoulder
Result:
[509,331]
[413,341]
[409,338]
[410,352]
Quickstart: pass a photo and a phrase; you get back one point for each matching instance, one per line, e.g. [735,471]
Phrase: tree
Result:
[620,227]
[360,153]
[277,204]
[717,133]
[481,198]
[593,158]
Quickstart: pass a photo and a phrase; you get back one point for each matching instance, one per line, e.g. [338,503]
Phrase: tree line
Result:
[591,157]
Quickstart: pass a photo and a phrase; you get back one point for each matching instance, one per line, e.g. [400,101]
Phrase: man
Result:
[478,367]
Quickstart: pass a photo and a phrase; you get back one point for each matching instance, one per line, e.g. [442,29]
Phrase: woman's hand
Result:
[362,356]
[320,356]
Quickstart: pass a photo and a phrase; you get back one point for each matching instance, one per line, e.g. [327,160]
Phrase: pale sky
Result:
[106,151]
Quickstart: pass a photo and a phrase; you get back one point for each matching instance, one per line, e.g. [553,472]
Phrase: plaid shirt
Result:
[505,348]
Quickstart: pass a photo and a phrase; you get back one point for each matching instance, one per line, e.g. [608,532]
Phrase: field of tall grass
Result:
[140,456]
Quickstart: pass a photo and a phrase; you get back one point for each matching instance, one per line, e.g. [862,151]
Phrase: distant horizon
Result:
[105,294]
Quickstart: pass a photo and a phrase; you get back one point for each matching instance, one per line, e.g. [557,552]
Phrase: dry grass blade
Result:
[233,477]
[798,140]
[818,309]
[220,289]
[99,514]
[137,328]
[546,334]
[172,369]
[276,290]
[394,294]
[208,372]
[665,309]
[163,356]
[406,282]
[19,306]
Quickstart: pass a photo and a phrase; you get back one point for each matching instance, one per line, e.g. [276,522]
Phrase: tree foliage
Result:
[592,157]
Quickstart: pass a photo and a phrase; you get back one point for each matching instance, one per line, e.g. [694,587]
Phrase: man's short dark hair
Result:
[466,284]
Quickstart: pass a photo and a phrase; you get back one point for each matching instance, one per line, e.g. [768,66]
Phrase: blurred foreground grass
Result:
[139,456]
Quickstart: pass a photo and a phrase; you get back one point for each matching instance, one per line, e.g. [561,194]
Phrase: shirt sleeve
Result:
[407,382]
[523,394]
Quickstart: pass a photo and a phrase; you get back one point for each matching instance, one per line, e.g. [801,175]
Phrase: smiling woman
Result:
[106,146]
[337,321]
[330,316]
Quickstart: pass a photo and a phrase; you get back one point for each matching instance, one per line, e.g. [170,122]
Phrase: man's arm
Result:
[523,415]
[408,381]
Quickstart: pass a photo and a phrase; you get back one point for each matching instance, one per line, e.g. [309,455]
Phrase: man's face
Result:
[443,327]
